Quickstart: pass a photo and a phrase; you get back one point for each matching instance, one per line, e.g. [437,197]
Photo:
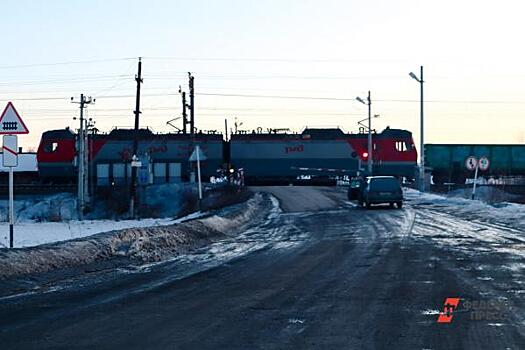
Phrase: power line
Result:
[281,97]
[351,99]
[271,59]
[277,96]
[67,63]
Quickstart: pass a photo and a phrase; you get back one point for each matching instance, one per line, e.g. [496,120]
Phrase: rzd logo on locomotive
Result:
[292,149]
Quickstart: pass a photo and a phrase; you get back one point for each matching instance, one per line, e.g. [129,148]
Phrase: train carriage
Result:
[263,156]
[323,152]
[110,155]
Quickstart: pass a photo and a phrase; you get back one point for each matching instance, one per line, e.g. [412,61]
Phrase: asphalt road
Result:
[322,274]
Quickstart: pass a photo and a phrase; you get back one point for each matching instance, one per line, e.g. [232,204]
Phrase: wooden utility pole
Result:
[192,105]
[184,113]
[133,185]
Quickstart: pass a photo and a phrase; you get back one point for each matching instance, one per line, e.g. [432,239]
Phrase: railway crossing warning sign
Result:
[11,123]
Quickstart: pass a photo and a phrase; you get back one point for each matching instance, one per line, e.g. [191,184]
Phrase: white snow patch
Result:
[485,278]
[430,312]
[295,321]
[29,234]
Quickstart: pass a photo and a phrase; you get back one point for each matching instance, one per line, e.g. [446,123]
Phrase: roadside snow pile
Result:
[489,194]
[506,213]
[142,244]
[228,222]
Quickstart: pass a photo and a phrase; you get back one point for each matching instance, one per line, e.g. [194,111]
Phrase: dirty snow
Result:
[489,194]
[511,214]
[145,244]
[56,207]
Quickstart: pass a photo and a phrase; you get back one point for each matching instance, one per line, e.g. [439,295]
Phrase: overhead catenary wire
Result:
[279,97]
[63,63]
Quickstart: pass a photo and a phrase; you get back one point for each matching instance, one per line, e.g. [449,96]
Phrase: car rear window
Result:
[384,184]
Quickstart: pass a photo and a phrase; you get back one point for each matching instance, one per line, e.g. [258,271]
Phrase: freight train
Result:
[271,156]
[447,161]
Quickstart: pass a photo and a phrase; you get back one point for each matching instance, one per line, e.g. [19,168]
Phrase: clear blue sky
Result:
[471,51]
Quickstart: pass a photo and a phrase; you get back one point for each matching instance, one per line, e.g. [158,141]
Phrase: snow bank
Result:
[489,194]
[507,213]
[29,233]
[163,200]
[143,244]
[57,207]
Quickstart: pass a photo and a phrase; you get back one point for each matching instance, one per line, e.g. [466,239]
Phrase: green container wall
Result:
[504,159]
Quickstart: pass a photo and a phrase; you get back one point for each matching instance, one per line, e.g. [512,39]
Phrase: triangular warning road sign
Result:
[202,156]
[10,121]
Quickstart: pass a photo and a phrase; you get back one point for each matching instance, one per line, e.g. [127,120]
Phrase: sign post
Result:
[472,163]
[475,181]
[196,156]
[199,173]
[10,125]
[10,160]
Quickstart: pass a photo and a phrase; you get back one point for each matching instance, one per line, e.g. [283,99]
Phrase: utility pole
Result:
[192,105]
[133,189]
[421,131]
[370,160]
[184,113]
[192,122]
[370,148]
[82,157]
[89,129]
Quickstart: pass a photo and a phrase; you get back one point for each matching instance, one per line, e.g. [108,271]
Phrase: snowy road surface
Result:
[320,274]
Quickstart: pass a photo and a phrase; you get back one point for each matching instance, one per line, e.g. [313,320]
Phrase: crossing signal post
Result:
[11,125]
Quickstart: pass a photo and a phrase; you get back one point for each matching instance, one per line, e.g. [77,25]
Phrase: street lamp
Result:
[369,104]
[421,131]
